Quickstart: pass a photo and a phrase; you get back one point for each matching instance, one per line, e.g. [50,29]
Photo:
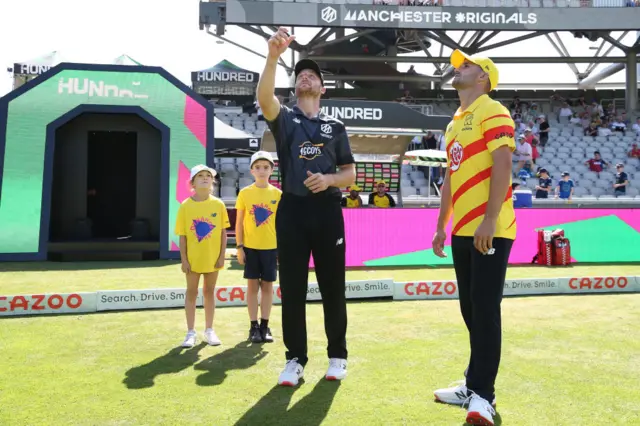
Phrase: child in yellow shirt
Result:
[256,242]
[202,226]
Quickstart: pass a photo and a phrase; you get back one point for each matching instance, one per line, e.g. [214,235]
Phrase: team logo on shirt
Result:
[202,228]
[456,154]
[326,128]
[468,122]
[261,213]
[309,151]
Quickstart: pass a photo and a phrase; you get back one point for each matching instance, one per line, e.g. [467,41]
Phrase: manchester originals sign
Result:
[420,17]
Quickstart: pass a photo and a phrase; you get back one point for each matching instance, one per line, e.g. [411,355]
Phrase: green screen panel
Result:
[30,113]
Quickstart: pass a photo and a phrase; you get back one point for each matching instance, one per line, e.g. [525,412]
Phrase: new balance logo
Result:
[340,241]
[461,395]
[491,251]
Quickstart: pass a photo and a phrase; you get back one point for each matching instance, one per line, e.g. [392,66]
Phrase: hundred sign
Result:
[224,76]
[419,17]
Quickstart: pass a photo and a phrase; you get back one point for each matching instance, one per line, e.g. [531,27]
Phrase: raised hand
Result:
[279,42]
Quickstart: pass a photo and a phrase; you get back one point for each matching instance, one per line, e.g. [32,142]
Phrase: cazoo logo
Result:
[329,14]
[309,151]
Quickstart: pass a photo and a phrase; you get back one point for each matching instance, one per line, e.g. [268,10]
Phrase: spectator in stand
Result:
[525,173]
[544,184]
[598,120]
[585,121]
[520,127]
[407,98]
[636,127]
[592,130]
[544,130]
[604,129]
[579,103]
[352,200]
[596,164]
[564,189]
[523,151]
[565,111]
[534,128]
[517,115]
[617,125]
[532,113]
[381,198]
[575,120]
[532,140]
[596,109]
[625,119]
[610,111]
[635,152]
[622,180]
[514,104]
[435,141]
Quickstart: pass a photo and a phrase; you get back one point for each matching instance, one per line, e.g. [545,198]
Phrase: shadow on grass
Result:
[174,361]
[311,410]
[242,356]
[497,421]
[82,266]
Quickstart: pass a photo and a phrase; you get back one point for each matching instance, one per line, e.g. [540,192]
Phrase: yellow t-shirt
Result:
[352,202]
[202,223]
[384,201]
[471,138]
[259,224]
[379,201]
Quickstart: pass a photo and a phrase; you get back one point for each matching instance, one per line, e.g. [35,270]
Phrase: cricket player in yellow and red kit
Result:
[477,192]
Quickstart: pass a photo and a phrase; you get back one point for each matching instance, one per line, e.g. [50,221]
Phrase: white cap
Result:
[261,155]
[199,168]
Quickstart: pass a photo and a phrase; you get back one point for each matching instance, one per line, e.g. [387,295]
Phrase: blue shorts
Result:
[260,264]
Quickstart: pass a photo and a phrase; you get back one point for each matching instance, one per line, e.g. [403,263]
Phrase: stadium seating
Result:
[566,149]
[247,122]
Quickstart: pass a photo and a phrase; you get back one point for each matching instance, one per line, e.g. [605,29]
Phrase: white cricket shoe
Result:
[337,369]
[479,411]
[455,395]
[211,337]
[190,340]
[291,374]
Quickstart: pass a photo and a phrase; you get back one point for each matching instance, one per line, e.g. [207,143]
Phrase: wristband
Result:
[240,246]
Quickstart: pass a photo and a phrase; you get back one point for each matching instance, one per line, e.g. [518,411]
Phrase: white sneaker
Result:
[211,337]
[291,374]
[190,340]
[337,369]
[480,412]
[455,395]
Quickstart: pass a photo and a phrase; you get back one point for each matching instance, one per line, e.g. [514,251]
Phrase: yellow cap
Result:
[381,182]
[487,65]
[355,187]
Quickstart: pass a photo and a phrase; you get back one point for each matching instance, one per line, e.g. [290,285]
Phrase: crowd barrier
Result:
[402,237]
[122,300]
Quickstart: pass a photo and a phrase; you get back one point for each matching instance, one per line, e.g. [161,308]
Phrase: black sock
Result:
[264,323]
[254,324]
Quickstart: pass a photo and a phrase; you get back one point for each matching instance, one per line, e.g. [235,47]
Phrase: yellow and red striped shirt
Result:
[471,138]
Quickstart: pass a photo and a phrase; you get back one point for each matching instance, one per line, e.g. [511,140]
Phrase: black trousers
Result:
[305,226]
[480,288]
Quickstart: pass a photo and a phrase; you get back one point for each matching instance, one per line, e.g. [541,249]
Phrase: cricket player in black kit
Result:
[315,161]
